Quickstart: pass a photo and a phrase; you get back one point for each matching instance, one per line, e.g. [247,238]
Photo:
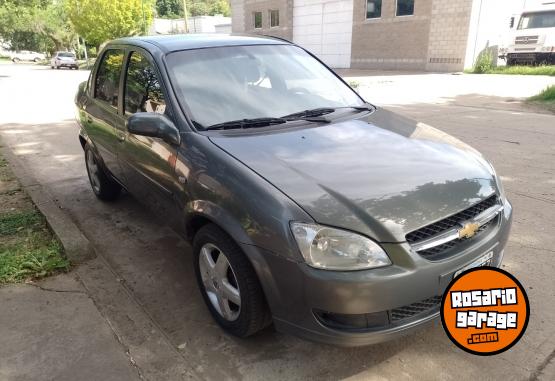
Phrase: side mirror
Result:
[154,125]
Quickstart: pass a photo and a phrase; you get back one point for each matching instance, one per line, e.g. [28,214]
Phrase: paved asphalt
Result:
[36,122]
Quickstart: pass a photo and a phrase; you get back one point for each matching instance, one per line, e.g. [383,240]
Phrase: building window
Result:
[373,9]
[257,20]
[405,8]
[274,18]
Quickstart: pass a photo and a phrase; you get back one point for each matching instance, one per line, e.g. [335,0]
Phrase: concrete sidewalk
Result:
[51,330]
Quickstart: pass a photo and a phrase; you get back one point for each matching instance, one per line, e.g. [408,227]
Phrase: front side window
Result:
[373,9]
[225,84]
[143,92]
[107,77]
[537,20]
[405,8]
[274,18]
[257,20]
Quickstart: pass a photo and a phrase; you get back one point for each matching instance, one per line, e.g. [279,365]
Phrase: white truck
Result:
[533,37]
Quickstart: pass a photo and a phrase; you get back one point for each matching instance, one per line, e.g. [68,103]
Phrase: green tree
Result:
[35,24]
[174,8]
[219,7]
[98,21]
[169,8]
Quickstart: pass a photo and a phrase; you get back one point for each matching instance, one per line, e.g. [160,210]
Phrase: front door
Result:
[148,163]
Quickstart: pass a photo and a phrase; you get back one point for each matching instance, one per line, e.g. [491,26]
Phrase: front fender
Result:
[219,216]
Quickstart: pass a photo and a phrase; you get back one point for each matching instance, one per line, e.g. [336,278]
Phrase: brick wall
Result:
[448,35]
[285,7]
[237,16]
[435,38]
[390,42]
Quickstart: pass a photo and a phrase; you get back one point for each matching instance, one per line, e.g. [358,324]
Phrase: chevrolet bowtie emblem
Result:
[468,230]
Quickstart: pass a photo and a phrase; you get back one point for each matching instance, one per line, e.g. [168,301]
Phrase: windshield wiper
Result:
[313,114]
[246,123]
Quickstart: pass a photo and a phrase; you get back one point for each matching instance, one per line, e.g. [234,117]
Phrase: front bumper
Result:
[67,64]
[531,57]
[298,295]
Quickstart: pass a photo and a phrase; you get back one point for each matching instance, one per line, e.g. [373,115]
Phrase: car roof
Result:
[176,42]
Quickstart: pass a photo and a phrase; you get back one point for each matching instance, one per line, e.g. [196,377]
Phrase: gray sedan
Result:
[306,206]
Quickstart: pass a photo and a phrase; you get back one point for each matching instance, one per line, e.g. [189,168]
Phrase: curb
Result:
[144,342]
[77,247]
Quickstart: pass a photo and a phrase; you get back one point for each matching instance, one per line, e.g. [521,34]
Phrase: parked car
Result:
[26,55]
[64,59]
[305,205]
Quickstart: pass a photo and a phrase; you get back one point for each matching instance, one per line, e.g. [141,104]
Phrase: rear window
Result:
[71,55]
[107,77]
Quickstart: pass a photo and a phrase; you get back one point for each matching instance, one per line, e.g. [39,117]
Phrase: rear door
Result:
[103,110]
[148,163]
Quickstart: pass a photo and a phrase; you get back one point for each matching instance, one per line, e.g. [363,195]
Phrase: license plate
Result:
[484,260]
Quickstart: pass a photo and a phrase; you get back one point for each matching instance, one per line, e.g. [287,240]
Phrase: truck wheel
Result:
[228,283]
[103,186]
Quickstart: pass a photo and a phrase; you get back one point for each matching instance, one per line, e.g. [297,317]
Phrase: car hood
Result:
[382,175]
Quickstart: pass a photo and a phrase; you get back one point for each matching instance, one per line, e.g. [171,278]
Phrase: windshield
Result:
[537,20]
[70,55]
[244,82]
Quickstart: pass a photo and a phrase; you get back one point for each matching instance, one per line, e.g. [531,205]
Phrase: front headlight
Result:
[498,183]
[335,249]
[501,189]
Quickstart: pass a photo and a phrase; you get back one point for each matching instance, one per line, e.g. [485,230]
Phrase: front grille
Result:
[442,251]
[526,40]
[425,306]
[452,221]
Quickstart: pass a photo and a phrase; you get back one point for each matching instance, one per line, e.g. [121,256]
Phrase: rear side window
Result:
[107,77]
[143,92]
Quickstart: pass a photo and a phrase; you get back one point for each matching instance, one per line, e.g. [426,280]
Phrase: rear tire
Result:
[245,311]
[16,60]
[103,186]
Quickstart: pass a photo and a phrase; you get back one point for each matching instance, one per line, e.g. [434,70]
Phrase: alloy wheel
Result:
[220,282]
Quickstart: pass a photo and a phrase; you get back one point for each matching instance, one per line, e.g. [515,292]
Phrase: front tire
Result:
[228,283]
[103,186]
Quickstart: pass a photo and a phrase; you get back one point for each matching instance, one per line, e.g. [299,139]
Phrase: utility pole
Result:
[144,19]
[185,16]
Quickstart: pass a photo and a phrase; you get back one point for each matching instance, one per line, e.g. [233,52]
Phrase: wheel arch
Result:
[201,212]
